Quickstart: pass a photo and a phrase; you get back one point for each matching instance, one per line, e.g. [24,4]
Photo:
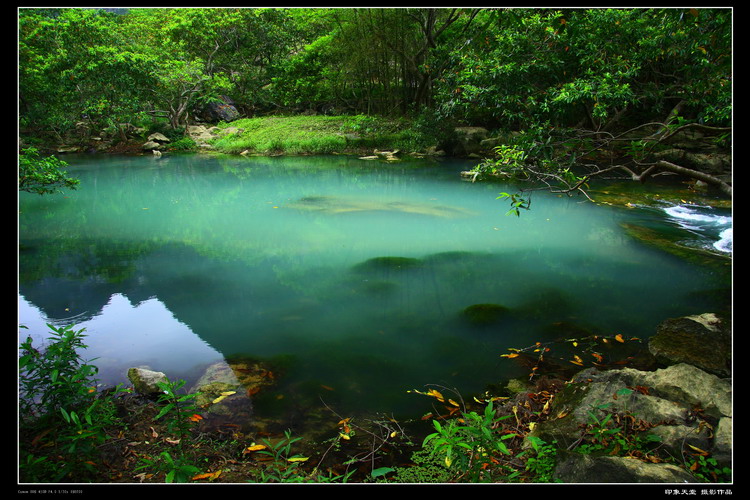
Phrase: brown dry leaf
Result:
[699,451]
[208,475]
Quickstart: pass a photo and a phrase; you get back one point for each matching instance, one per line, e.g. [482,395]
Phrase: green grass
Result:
[314,135]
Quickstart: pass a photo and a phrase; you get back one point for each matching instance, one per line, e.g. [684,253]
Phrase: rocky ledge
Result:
[683,408]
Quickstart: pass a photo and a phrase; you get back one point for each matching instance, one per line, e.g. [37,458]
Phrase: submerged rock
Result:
[334,205]
[388,264]
[485,314]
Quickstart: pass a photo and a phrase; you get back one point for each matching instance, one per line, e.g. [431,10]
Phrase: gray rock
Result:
[580,468]
[666,401]
[703,340]
[158,138]
[146,381]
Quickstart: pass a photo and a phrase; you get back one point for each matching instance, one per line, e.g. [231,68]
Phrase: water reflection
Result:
[123,333]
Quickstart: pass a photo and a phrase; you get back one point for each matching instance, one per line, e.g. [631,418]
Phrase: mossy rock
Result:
[208,393]
[388,264]
[485,314]
[672,244]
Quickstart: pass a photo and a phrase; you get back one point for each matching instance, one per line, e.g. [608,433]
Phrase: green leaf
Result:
[382,471]
[164,411]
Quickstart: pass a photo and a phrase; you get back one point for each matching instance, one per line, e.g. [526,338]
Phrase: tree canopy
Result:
[547,75]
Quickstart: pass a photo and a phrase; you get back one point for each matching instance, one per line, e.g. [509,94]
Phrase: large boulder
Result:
[703,340]
[222,110]
[682,406]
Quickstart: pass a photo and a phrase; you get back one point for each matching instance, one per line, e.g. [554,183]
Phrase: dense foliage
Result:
[507,68]
[561,82]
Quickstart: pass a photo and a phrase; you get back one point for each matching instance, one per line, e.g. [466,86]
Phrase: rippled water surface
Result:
[178,262]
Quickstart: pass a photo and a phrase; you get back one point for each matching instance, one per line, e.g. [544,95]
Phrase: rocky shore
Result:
[682,401]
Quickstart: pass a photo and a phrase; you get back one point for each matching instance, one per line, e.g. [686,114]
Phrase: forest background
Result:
[557,82]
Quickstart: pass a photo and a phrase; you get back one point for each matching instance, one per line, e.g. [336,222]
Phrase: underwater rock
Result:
[485,314]
[339,205]
[388,264]
[379,288]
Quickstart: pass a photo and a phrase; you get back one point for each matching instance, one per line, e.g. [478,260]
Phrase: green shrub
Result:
[55,377]
[185,143]
[58,400]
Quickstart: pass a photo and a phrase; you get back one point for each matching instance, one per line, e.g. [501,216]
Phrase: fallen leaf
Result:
[224,395]
[619,338]
[255,447]
[298,459]
[208,475]
[699,451]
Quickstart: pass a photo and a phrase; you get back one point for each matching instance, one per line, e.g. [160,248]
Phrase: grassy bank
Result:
[320,135]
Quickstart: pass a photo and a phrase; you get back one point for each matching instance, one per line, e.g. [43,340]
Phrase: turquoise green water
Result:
[179,262]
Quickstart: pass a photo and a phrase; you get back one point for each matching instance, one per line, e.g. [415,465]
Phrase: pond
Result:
[351,278]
